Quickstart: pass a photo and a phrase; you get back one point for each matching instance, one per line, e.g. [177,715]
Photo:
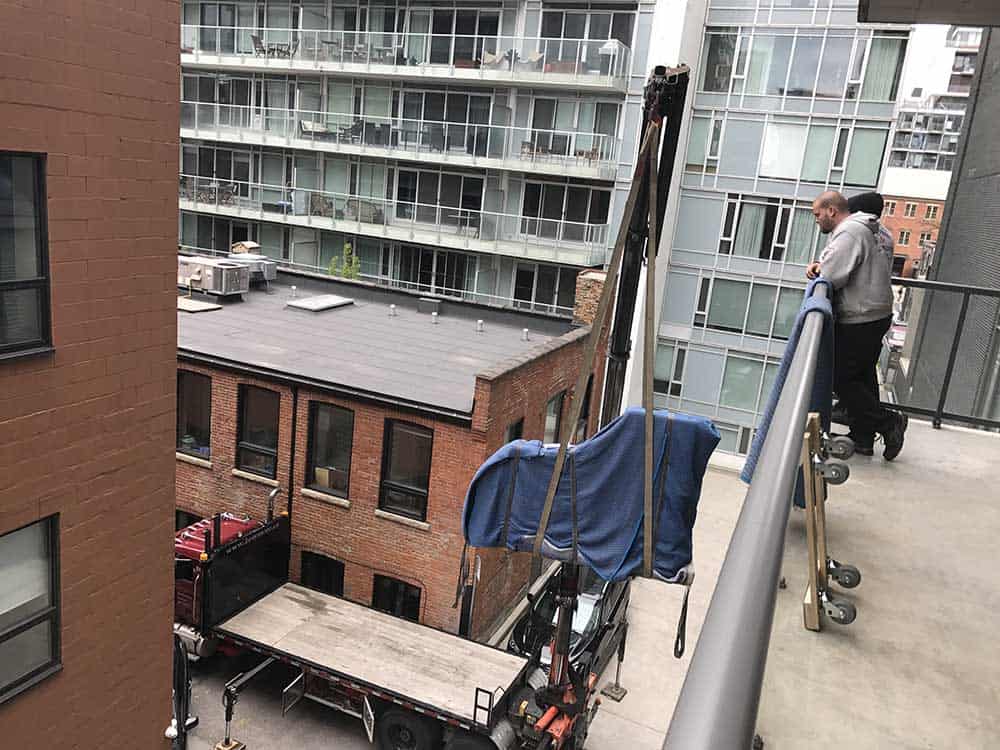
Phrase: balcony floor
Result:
[919,666]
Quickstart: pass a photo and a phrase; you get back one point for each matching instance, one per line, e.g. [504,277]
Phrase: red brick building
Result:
[372,417]
[914,223]
[88,221]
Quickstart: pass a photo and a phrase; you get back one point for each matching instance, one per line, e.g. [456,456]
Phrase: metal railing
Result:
[717,706]
[897,358]
[412,136]
[602,60]
[390,282]
[577,243]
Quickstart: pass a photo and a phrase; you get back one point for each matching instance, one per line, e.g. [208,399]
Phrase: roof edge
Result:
[520,360]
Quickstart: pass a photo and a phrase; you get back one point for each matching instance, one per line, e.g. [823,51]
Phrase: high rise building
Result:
[787,102]
[481,152]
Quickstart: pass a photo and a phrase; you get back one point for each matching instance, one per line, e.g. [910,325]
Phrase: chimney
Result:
[589,285]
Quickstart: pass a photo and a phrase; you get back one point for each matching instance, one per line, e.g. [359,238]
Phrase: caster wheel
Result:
[840,447]
[846,576]
[841,612]
[835,472]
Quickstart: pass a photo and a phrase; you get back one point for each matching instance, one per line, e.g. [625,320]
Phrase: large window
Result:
[322,573]
[668,369]
[257,451]
[24,265]
[717,65]
[792,151]
[406,469]
[331,439]
[769,229]
[885,63]
[553,417]
[396,597]
[749,308]
[747,383]
[29,606]
[194,414]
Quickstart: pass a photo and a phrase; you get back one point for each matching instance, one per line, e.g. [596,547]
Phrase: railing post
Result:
[936,422]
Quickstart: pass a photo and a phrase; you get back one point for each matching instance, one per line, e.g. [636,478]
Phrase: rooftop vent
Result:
[320,302]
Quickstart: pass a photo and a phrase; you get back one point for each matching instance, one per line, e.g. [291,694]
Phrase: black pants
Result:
[856,352]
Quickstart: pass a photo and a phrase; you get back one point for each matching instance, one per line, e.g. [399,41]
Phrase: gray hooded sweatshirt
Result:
[855,263]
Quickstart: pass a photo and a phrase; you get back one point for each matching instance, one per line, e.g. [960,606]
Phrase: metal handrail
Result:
[717,706]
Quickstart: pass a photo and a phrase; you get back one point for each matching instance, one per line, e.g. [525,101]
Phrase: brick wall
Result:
[86,431]
[915,225]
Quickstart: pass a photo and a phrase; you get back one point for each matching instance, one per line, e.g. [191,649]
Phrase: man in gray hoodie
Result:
[855,266]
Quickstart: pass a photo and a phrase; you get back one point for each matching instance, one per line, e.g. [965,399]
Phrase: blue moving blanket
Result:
[604,475]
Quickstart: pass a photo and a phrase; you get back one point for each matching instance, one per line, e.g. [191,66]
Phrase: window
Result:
[717,66]
[756,309]
[515,431]
[805,61]
[183,519]
[553,417]
[784,148]
[24,265]
[910,211]
[768,67]
[743,379]
[331,439]
[904,237]
[257,449]
[581,424]
[865,157]
[668,369]
[396,597]
[322,573]
[194,414]
[406,469]
[885,63]
[890,208]
[925,237]
[932,211]
[29,606]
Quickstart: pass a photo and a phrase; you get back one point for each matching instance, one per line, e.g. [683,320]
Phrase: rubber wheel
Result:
[402,730]
[846,613]
[847,576]
[466,741]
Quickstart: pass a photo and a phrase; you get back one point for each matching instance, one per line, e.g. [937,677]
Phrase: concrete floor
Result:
[919,668]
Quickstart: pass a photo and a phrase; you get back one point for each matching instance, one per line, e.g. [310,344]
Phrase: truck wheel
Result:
[465,741]
[402,730]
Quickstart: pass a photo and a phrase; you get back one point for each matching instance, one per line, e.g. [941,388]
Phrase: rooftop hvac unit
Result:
[215,276]
[261,267]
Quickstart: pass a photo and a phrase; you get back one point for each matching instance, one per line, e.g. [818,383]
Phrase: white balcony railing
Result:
[574,242]
[416,138]
[605,62]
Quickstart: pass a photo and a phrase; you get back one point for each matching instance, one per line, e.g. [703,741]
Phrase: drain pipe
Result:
[291,457]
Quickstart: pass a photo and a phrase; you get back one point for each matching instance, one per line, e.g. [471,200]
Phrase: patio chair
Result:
[258,46]
[531,62]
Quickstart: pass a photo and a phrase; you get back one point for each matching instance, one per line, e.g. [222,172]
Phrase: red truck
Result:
[415,688]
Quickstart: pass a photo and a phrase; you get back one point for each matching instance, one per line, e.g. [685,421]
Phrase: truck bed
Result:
[419,664]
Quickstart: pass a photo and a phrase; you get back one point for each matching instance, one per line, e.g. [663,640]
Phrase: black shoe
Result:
[894,437]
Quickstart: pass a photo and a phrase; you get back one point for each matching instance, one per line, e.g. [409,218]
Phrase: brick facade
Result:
[368,541]
[898,222]
[86,430]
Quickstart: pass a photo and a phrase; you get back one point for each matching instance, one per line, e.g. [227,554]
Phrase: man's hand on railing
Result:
[812,270]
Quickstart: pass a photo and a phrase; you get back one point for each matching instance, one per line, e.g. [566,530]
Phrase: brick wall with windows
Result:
[87,371]
[920,218]
[356,526]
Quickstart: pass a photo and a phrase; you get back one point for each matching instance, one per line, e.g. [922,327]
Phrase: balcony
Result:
[583,64]
[455,227]
[558,152]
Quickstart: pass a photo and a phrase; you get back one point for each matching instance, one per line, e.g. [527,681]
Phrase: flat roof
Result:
[359,349]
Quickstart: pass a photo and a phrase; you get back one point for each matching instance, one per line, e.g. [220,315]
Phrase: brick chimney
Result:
[589,285]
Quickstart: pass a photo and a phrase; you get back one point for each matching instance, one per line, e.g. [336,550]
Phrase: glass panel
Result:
[741,382]
[663,367]
[865,158]
[768,65]
[784,146]
[25,586]
[789,302]
[750,232]
[567,288]
[330,442]
[833,71]
[717,65]
[770,373]
[194,414]
[697,143]
[728,306]
[26,652]
[524,283]
[884,65]
[260,417]
[21,317]
[20,250]
[802,76]
[761,307]
[553,418]
[545,291]
[800,237]
[816,164]
[409,456]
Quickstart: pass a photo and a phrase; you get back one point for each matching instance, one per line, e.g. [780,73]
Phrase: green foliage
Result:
[348,266]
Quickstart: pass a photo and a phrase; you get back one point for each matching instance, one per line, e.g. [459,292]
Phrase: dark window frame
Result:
[184,518]
[561,396]
[52,614]
[401,591]
[246,445]
[387,484]
[314,407]
[318,558]
[514,431]
[43,343]
[196,375]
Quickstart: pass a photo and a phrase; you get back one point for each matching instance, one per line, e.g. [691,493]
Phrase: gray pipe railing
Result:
[717,706]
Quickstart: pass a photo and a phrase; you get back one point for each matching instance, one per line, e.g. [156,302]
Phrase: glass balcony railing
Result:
[576,242]
[605,62]
[415,138]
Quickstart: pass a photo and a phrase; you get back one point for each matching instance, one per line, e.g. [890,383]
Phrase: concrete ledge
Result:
[412,523]
[255,478]
[194,460]
[323,497]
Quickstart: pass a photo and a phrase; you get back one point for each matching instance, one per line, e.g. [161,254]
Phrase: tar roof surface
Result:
[360,347]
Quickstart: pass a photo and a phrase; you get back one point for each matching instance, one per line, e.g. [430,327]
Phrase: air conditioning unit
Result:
[215,276]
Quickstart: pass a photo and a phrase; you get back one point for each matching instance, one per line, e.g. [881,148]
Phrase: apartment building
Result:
[474,150]
[371,418]
[87,359]
[914,221]
[787,102]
